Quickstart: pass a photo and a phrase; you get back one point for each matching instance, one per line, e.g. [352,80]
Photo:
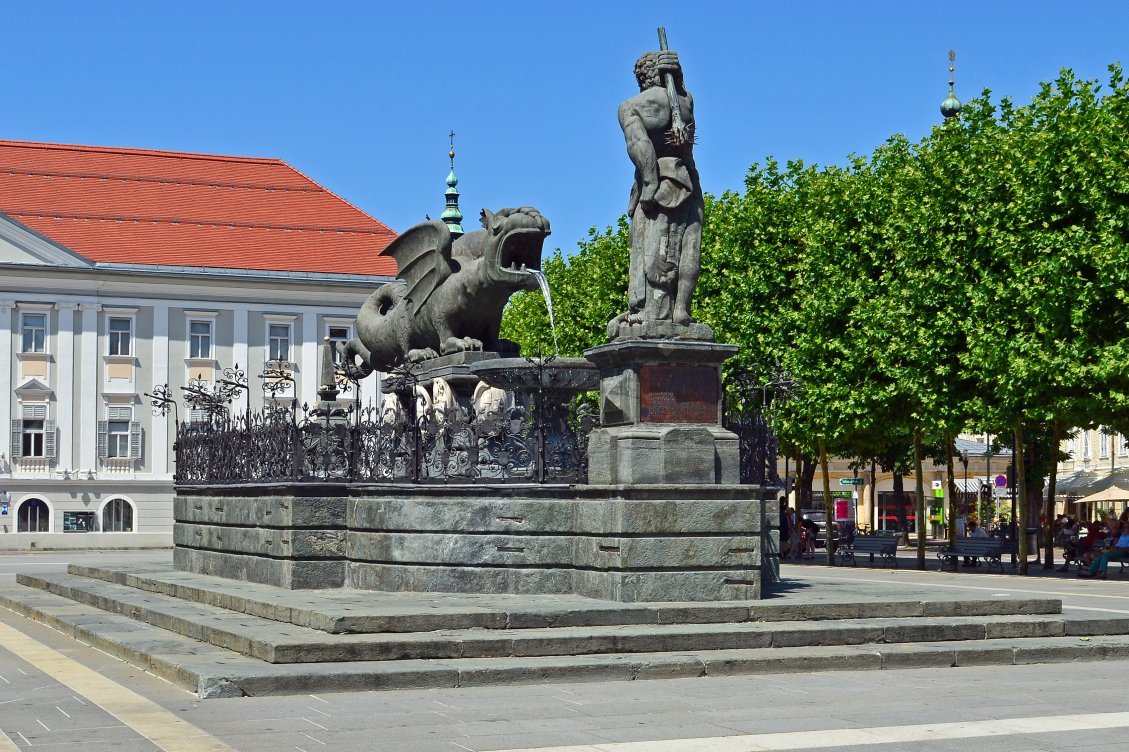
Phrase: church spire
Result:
[951,107]
[451,215]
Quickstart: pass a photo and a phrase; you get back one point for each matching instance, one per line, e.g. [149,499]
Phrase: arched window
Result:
[33,516]
[117,516]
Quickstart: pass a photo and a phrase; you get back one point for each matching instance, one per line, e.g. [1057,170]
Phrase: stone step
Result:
[211,671]
[286,643]
[353,611]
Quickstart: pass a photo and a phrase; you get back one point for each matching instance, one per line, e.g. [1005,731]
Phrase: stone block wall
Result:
[264,534]
[639,543]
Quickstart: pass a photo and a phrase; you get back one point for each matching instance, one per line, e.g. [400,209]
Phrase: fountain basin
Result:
[533,374]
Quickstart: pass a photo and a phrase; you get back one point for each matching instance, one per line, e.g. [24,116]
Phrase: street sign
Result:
[1001,481]
[852,481]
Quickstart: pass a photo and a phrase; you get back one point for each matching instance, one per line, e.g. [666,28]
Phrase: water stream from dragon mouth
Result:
[543,283]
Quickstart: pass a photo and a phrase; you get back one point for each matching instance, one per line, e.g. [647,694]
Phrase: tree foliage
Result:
[977,279]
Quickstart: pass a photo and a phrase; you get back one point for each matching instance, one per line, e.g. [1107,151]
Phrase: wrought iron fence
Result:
[537,436]
[531,443]
[750,396]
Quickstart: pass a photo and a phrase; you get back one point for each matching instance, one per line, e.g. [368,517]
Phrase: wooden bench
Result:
[989,549]
[885,546]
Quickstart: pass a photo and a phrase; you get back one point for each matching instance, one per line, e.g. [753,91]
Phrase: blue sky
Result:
[361,96]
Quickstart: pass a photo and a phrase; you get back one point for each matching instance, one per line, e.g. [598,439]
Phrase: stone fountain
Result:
[661,514]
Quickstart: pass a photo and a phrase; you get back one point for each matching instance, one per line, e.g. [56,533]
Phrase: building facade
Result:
[129,271]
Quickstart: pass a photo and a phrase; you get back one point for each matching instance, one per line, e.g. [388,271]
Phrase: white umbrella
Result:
[1113,493]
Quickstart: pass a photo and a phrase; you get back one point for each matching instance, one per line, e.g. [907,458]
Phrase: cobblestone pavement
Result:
[57,694]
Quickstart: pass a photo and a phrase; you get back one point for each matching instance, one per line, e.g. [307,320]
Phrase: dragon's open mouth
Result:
[521,251]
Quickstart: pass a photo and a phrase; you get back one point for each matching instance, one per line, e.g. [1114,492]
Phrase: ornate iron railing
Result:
[529,443]
[749,399]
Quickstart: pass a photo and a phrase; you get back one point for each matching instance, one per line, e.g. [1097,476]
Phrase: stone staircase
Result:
[223,638]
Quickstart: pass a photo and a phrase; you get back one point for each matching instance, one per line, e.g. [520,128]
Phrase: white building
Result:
[125,270]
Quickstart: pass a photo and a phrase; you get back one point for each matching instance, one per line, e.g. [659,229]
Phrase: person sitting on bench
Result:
[1090,545]
[1119,551]
[973,531]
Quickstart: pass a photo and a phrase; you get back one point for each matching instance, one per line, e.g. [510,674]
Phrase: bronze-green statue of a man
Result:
[666,205]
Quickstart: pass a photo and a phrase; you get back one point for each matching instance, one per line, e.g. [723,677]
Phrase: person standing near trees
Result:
[787,529]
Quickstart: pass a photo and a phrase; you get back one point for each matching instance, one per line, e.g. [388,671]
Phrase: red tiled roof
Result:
[161,207]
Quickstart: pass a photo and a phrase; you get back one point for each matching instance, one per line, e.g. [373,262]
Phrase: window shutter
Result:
[103,431]
[35,412]
[49,439]
[135,440]
[17,439]
[119,413]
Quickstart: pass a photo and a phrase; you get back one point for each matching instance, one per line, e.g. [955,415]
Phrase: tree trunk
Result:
[828,503]
[1020,455]
[804,482]
[919,488]
[1048,527]
[950,493]
[900,506]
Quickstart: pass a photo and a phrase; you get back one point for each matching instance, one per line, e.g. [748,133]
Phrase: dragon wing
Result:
[423,259]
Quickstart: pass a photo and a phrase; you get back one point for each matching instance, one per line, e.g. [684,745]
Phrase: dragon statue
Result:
[450,293]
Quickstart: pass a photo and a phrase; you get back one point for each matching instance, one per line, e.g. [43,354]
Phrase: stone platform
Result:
[222,638]
[628,544]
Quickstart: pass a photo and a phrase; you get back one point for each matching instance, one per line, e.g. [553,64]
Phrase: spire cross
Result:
[952,60]
[451,214]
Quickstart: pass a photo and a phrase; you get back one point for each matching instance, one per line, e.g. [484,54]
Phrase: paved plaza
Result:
[58,694]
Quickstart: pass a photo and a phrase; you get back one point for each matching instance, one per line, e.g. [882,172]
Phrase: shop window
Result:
[78,522]
[33,516]
[117,516]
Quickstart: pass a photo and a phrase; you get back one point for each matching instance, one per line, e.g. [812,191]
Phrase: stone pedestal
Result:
[660,412]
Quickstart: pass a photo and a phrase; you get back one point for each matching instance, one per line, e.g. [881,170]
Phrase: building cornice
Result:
[227,288]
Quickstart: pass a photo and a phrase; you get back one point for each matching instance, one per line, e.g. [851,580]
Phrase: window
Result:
[121,336]
[117,516]
[33,435]
[1103,444]
[78,522]
[34,516]
[278,342]
[200,339]
[119,436]
[338,336]
[1086,450]
[34,326]
[1124,451]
